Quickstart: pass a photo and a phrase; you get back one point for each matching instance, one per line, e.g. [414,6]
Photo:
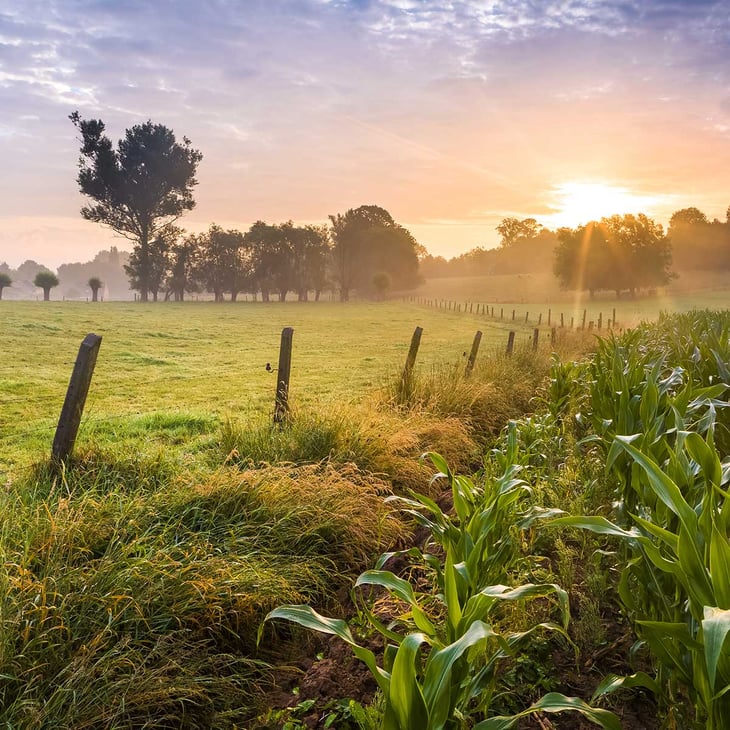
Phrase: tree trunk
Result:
[282,295]
[264,296]
[234,295]
[344,295]
[317,292]
[303,295]
[47,294]
[94,295]
[144,265]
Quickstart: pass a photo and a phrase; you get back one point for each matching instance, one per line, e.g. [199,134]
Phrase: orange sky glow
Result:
[451,116]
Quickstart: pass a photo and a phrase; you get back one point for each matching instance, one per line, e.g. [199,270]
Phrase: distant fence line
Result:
[502,314]
[80,382]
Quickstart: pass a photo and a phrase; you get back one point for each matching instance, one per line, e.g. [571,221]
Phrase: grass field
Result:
[173,371]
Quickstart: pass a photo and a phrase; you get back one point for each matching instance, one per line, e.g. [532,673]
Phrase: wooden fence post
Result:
[539,319]
[510,342]
[553,333]
[584,320]
[281,405]
[473,354]
[600,319]
[411,357]
[73,406]
[562,320]
[527,316]
[613,319]
[550,316]
[535,338]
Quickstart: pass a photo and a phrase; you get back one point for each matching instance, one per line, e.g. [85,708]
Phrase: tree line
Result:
[142,186]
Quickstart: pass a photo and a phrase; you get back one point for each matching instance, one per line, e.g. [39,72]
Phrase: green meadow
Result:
[172,370]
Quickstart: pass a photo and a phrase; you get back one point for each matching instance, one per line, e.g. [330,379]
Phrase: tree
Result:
[620,253]
[158,261]
[512,229]
[46,280]
[140,187]
[309,250]
[183,267]
[687,217]
[5,280]
[95,283]
[381,284]
[222,265]
[366,240]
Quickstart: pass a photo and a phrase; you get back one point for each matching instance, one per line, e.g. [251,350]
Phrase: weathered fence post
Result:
[550,316]
[584,320]
[600,320]
[73,406]
[281,406]
[473,354]
[539,319]
[553,332]
[613,319]
[513,315]
[411,358]
[501,312]
[562,320]
[535,338]
[510,342]
[527,317]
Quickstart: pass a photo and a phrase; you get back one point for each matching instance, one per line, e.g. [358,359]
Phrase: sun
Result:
[576,203]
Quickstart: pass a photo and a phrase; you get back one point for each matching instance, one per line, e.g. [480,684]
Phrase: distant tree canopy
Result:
[526,247]
[620,253]
[138,188]
[46,280]
[699,243]
[367,240]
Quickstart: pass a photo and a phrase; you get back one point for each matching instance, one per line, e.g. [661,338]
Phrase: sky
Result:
[451,115]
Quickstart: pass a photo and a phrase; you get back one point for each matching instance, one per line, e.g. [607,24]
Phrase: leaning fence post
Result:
[281,405]
[510,342]
[411,357]
[473,354]
[535,338]
[584,320]
[73,406]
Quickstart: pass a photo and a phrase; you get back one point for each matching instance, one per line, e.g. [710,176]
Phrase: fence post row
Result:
[73,406]
[473,354]
[281,405]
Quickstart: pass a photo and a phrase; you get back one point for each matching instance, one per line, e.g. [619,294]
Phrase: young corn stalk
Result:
[440,665]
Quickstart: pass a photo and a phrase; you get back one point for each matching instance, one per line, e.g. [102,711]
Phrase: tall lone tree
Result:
[46,280]
[138,188]
[95,283]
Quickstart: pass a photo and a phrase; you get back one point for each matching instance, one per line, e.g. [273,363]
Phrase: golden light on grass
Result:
[578,202]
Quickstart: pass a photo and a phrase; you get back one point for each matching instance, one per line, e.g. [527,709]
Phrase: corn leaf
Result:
[406,696]
[611,682]
[403,590]
[663,486]
[306,616]
[555,702]
[715,628]
[720,567]
[438,682]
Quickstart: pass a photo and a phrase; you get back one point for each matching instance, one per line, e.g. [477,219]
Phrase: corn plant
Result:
[676,582]
[442,656]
